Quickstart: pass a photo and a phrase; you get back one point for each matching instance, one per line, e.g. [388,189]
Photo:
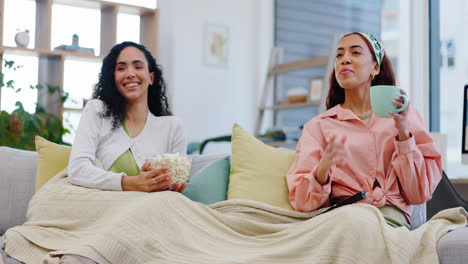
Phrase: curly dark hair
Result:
[106,89]
[336,94]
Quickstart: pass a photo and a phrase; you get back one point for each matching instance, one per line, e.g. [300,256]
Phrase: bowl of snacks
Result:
[179,165]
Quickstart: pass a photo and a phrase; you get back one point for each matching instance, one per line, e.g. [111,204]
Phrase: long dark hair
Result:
[336,94]
[106,89]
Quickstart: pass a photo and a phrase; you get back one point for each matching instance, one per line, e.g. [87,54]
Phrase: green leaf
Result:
[19,111]
[11,84]
[9,64]
[37,123]
[65,97]
[40,110]
[53,89]
[50,89]
[17,67]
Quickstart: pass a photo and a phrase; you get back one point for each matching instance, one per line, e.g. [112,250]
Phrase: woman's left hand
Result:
[401,119]
[180,187]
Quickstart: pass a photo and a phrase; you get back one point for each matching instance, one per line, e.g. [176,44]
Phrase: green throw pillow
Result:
[209,185]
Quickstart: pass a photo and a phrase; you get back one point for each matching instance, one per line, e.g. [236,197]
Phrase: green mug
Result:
[381,97]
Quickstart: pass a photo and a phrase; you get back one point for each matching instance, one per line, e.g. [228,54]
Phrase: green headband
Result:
[376,45]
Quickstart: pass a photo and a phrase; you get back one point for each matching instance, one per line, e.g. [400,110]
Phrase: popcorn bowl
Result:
[179,165]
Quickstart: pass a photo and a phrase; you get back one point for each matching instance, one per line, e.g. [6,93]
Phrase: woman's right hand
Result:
[334,154]
[148,180]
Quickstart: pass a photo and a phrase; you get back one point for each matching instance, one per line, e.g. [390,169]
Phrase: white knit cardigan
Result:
[96,140]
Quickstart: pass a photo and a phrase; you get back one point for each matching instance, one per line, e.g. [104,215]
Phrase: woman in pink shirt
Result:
[348,149]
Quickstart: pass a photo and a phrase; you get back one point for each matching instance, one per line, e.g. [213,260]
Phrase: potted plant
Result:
[19,128]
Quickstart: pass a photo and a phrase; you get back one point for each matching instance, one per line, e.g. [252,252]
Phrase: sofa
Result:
[18,182]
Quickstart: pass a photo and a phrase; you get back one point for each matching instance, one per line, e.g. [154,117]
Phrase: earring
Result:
[373,76]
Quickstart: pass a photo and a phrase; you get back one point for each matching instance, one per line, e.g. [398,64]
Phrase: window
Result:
[88,30]
[23,77]
[144,3]
[394,23]
[128,28]
[26,75]
[13,23]
[79,89]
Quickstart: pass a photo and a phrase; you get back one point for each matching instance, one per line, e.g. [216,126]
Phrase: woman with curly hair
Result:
[127,122]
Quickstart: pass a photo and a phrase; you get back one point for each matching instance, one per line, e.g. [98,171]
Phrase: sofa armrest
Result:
[17,185]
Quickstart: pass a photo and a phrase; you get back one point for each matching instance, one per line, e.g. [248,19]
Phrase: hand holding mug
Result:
[392,102]
[401,118]
[382,96]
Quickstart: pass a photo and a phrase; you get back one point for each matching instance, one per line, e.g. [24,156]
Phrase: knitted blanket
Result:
[166,227]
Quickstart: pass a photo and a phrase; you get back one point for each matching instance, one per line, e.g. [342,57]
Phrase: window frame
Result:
[434,66]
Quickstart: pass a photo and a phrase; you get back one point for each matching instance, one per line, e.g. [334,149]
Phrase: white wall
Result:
[210,99]
[452,80]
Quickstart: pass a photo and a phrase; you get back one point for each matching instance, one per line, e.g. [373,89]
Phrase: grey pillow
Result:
[17,185]
[201,161]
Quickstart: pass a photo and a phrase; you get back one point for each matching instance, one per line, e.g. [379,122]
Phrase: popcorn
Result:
[179,166]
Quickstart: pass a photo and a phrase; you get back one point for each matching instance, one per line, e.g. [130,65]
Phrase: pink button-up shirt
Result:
[399,173]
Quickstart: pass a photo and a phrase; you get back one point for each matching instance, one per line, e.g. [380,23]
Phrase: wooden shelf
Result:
[270,89]
[77,110]
[289,105]
[299,65]
[95,4]
[459,181]
[38,52]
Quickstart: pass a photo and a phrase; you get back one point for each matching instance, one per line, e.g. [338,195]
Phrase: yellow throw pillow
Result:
[258,171]
[51,159]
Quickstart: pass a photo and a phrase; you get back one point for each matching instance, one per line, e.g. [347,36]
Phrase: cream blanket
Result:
[166,227]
